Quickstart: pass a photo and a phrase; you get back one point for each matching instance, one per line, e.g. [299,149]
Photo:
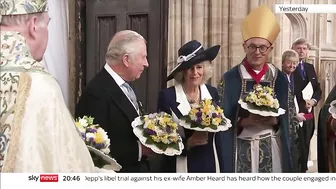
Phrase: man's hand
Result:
[300,117]
[310,103]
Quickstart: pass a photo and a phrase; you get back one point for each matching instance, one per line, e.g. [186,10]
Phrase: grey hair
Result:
[289,54]
[207,73]
[301,41]
[16,20]
[119,47]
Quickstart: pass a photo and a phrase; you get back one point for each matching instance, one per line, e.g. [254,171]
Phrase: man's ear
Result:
[32,27]
[244,47]
[125,60]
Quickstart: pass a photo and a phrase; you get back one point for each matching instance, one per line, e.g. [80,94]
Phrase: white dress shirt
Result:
[120,83]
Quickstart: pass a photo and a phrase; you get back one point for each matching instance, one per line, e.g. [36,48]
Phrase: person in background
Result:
[303,75]
[290,60]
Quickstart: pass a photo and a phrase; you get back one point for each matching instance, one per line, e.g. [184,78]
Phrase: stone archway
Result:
[293,26]
[298,24]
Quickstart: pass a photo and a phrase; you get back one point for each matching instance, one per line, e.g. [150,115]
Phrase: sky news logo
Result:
[44,178]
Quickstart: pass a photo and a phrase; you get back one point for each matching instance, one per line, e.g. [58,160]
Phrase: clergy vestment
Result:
[325,136]
[255,149]
[38,132]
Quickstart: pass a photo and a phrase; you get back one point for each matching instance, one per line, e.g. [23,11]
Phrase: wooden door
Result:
[103,18]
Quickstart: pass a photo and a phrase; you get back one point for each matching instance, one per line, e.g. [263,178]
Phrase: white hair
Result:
[16,20]
[119,47]
[301,41]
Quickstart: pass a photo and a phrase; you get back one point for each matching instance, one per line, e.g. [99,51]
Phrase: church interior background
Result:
[215,22]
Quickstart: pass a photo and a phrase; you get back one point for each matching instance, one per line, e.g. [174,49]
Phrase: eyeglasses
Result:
[262,48]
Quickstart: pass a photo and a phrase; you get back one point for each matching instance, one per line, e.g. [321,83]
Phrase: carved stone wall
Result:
[218,22]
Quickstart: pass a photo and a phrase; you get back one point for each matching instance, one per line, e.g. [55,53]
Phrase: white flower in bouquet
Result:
[89,137]
[206,115]
[262,101]
[275,104]
[263,97]
[97,142]
[269,97]
[83,122]
[165,139]
[159,131]
[93,134]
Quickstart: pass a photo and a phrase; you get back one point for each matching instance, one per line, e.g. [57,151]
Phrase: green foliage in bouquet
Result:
[262,98]
[161,131]
[205,115]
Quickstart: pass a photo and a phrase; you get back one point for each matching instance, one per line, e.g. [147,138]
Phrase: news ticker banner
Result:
[305,8]
[163,180]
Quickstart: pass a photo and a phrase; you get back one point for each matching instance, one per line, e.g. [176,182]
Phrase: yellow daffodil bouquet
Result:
[262,101]
[93,134]
[97,141]
[206,116]
[158,131]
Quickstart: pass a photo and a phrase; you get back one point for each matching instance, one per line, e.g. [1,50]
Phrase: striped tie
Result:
[131,95]
[302,71]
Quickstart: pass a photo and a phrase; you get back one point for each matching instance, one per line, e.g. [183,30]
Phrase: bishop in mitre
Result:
[255,144]
[37,132]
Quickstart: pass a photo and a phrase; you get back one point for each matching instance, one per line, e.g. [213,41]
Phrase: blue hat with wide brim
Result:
[193,53]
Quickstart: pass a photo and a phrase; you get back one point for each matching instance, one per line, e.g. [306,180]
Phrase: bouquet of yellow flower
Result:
[158,131]
[97,141]
[262,101]
[206,116]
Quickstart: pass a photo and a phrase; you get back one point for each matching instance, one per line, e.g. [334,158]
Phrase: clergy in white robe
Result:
[37,132]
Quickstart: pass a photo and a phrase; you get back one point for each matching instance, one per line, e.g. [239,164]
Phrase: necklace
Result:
[192,100]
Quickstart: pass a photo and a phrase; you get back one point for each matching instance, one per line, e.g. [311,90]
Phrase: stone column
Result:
[217,31]
[198,18]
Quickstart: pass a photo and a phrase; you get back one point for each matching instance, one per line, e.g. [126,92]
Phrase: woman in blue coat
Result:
[191,73]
